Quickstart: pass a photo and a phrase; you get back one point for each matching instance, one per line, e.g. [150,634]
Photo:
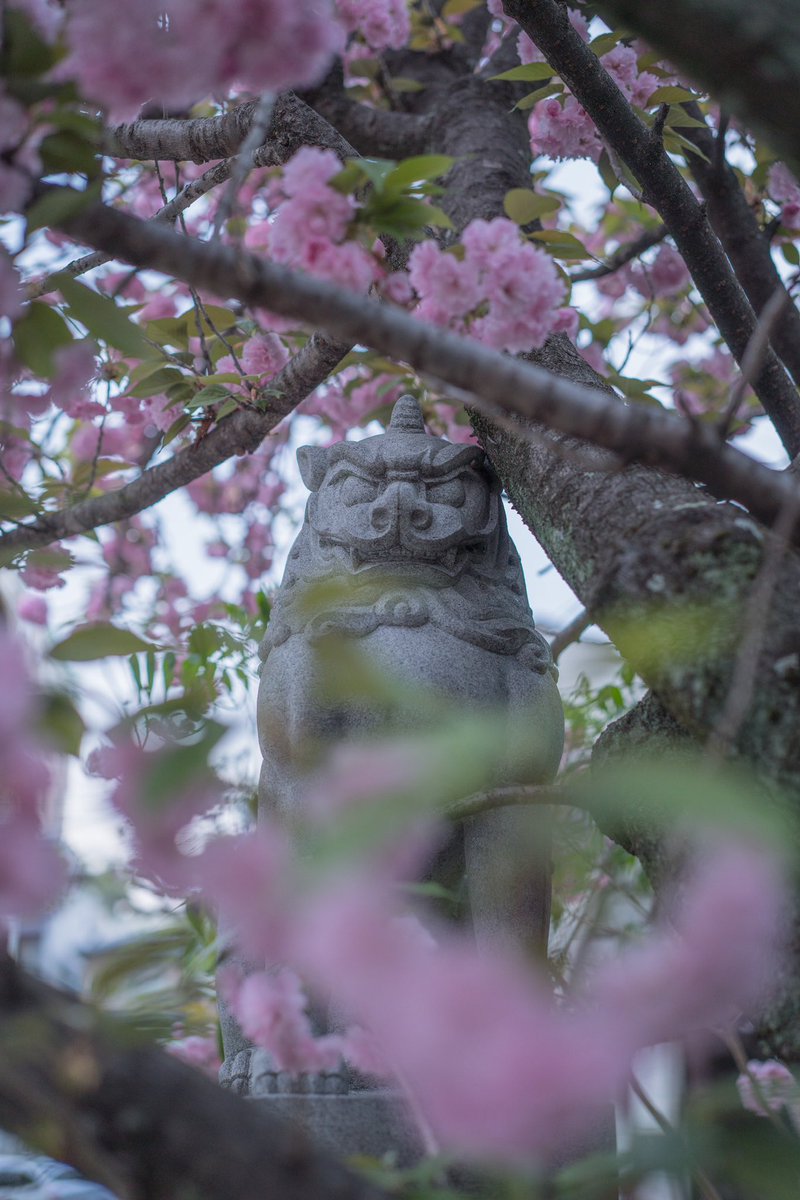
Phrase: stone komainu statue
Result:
[410,533]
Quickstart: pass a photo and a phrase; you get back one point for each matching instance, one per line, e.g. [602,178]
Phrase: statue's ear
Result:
[313,463]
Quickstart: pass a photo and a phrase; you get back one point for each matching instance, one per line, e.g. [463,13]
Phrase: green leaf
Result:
[169,331]
[104,319]
[607,173]
[37,336]
[791,253]
[401,84]
[158,380]
[404,216]
[561,244]
[376,170]
[59,204]
[528,73]
[417,169]
[67,152]
[605,42]
[209,395]
[552,89]
[61,723]
[98,640]
[457,8]
[24,52]
[16,504]
[671,94]
[175,428]
[678,118]
[523,206]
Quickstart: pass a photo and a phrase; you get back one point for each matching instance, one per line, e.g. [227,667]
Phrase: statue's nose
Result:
[400,502]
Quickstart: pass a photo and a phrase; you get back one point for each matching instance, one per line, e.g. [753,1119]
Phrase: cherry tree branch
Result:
[748,58]
[642,151]
[240,433]
[138,1120]
[745,244]
[375,132]
[187,196]
[294,123]
[622,255]
[300,126]
[636,433]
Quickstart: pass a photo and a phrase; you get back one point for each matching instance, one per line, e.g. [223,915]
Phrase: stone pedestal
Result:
[346,1120]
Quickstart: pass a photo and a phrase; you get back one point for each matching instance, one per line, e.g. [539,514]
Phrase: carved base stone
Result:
[347,1121]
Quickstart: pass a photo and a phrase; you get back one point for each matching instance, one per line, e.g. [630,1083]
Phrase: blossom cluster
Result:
[559,126]
[502,290]
[193,50]
[32,872]
[311,225]
[496,1065]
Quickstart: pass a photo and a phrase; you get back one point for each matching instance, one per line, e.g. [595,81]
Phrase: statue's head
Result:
[403,502]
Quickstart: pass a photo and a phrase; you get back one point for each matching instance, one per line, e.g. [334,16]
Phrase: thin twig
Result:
[753,357]
[170,211]
[754,623]
[622,255]
[507,797]
[245,160]
[736,1049]
[570,633]
[704,1184]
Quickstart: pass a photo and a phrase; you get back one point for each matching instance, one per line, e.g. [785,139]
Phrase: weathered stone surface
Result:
[404,554]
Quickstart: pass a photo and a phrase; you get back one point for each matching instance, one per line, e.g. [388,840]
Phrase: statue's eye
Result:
[357,490]
[450,491]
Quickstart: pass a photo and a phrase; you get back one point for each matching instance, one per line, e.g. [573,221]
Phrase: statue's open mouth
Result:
[388,558]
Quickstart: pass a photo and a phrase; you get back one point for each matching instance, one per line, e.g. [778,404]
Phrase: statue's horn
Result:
[407,415]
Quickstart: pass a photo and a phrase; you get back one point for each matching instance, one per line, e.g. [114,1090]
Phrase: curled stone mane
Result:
[405,529]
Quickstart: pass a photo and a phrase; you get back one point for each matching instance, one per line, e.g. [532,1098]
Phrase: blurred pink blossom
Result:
[32,872]
[33,608]
[262,45]
[200,1052]
[769,1086]
[11,297]
[784,189]
[271,1008]
[383,24]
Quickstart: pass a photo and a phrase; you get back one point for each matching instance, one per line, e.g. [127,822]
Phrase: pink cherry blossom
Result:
[42,572]
[200,1052]
[665,276]
[249,881]
[769,1087]
[11,298]
[512,284]
[448,288]
[563,129]
[383,24]
[74,369]
[271,1009]
[498,1069]
[784,189]
[529,52]
[32,873]
[33,609]
[262,45]
[264,355]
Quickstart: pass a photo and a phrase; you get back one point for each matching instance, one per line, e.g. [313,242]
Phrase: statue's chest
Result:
[302,675]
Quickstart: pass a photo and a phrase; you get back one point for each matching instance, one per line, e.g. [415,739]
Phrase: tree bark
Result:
[79,1087]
